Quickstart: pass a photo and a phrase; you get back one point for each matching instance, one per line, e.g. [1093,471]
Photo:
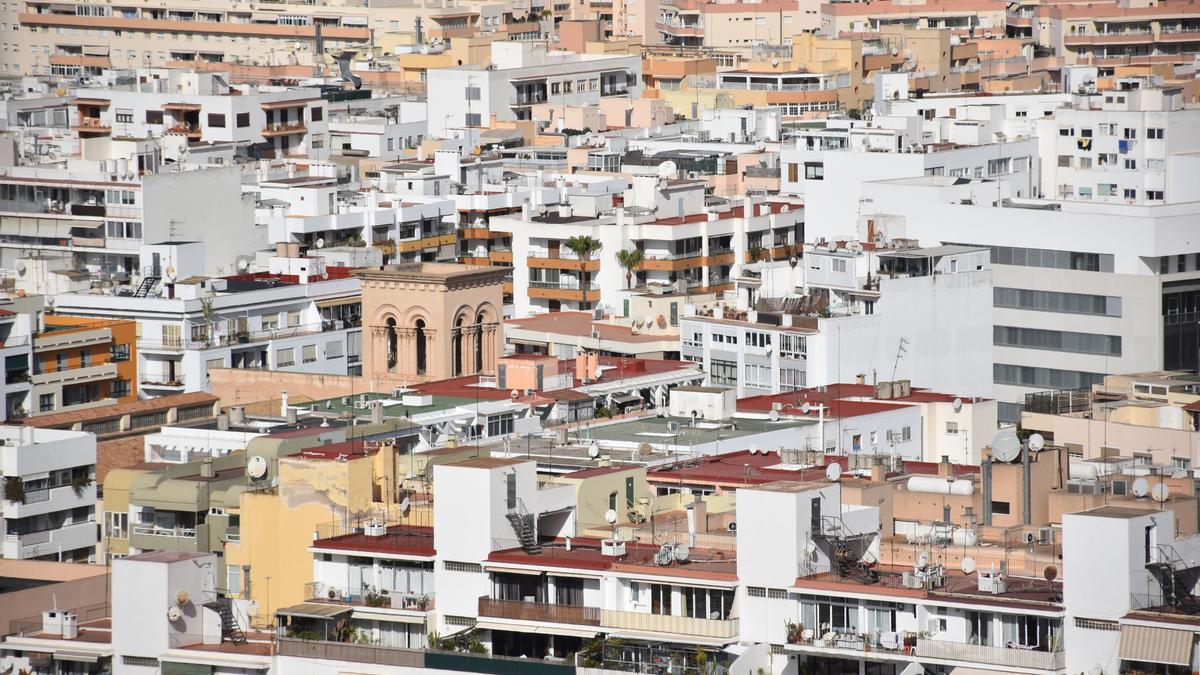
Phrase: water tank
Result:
[941,486]
[964,537]
[122,166]
[1084,470]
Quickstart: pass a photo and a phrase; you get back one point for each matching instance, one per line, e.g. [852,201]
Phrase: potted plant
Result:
[794,631]
[79,484]
[14,489]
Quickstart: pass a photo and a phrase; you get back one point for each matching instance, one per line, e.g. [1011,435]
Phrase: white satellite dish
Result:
[806,408]
[1006,447]
[256,467]
[967,565]
[514,394]
[958,405]
[773,415]
[646,449]
[610,517]
[681,553]
[593,451]
[1036,442]
[1160,493]
[811,547]
[404,504]
[1141,487]
[174,614]
[169,273]
[754,449]
[667,170]
[833,472]
[243,265]
[320,242]
[598,372]
[21,267]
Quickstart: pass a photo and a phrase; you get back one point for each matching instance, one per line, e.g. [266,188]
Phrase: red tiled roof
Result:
[108,412]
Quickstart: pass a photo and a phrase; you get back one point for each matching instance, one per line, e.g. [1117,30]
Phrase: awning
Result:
[315,610]
[95,50]
[626,399]
[544,630]
[339,302]
[354,20]
[79,657]
[260,16]
[1156,645]
[515,570]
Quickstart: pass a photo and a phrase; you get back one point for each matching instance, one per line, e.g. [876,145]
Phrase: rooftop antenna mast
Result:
[900,352]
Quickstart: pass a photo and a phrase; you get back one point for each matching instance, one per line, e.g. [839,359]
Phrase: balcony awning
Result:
[315,610]
[354,21]
[544,630]
[339,302]
[79,657]
[1156,645]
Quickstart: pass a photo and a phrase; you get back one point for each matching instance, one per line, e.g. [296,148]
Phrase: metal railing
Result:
[994,656]
[564,285]
[354,653]
[681,625]
[156,531]
[539,611]
[369,597]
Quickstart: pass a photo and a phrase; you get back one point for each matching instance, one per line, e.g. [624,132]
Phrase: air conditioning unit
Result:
[992,581]
[375,528]
[1028,537]
[1046,536]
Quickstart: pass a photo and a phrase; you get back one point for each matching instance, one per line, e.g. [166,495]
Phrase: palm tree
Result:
[585,247]
[630,260]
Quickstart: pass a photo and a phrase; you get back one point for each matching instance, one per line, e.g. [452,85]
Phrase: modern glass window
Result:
[1046,378]
[1054,301]
[1056,340]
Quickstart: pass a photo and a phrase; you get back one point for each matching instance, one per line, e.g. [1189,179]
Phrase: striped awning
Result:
[1156,645]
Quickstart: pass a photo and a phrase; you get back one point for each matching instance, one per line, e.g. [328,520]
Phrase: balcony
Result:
[433,240]
[561,260]
[16,376]
[162,381]
[564,290]
[284,129]
[103,371]
[993,656]
[672,625]
[190,130]
[388,599]
[539,611]
[173,532]
[91,126]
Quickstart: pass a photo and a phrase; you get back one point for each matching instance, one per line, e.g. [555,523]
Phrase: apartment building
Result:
[523,75]
[96,210]
[80,363]
[1117,34]
[963,18]
[49,507]
[686,242]
[19,319]
[734,26]
[74,39]
[1131,144]
[870,313]
[299,316]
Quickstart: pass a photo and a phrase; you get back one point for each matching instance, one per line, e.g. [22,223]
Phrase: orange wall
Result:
[123,333]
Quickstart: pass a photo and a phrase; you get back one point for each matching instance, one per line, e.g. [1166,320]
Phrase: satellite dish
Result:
[806,408]
[923,560]
[182,597]
[174,614]
[256,468]
[21,267]
[1036,442]
[1050,573]
[773,415]
[610,517]
[514,393]
[1006,447]
[646,449]
[593,451]
[169,272]
[958,405]
[1141,488]
[754,449]
[598,372]
[1160,493]
[681,553]
[667,170]
[243,265]
[967,565]
[404,504]
[320,242]
[833,472]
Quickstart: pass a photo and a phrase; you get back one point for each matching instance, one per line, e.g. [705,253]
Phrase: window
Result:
[216,120]
[1046,378]
[1064,161]
[952,428]
[791,379]
[154,117]
[45,402]
[455,566]
[316,114]
[814,171]
[123,116]
[757,376]
[118,229]
[334,350]
[660,599]
[60,362]
[242,120]
[1001,508]
[793,346]
[1154,133]
[118,525]
[234,579]
[1154,195]
[1130,133]
[121,197]
[293,319]
[1054,301]
[722,372]
[793,172]
[1055,340]
[1131,164]
[758,339]
[1181,463]
[1085,162]
[499,425]
[285,357]
[1066,131]
[473,119]
[308,354]
[1129,193]
[85,359]
[1106,189]
[118,353]
[151,419]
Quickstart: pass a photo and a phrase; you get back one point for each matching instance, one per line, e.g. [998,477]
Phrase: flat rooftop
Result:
[654,430]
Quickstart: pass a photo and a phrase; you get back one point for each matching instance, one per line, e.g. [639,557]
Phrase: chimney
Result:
[525,209]
[52,622]
[860,379]
[376,412]
[945,468]
[283,405]
[883,391]
[698,515]
[237,415]
[206,468]
[878,474]
[581,369]
[222,422]
[292,417]
[70,625]
[564,210]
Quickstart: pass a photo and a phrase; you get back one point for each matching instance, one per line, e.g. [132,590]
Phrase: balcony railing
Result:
[564,285]
[680,625]
[539,611]
[247,337]
[174,532]
[385,598]
[993,656]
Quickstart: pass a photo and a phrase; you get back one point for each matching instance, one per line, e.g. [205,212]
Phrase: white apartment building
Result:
[522,75]
[1135,144]
[98,209]
[49,505]
[878,315]
[19,321]
[688,243]
[203,107]
[298,316]
[1080,289]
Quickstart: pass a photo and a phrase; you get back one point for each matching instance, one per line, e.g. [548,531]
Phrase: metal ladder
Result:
[229,623]
[522,524]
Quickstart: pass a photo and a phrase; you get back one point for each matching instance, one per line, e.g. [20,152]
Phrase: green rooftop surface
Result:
[397,409]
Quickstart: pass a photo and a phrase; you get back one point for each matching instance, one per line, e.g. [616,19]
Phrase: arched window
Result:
[391,343]
[458,346]
[479,338]
[420,326]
